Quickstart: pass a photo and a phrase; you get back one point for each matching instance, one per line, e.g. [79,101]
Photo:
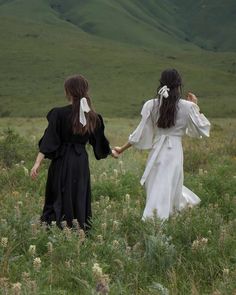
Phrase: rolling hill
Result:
[120,46]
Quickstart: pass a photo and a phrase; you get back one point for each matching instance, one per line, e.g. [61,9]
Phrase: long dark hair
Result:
[76,87]
[169,106]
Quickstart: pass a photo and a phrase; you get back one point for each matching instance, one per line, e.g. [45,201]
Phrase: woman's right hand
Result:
[35,170]
[192,97]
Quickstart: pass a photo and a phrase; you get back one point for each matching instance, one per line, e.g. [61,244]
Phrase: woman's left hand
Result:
[35,170]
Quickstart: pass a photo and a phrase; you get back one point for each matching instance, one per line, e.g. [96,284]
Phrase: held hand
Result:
[118,150]
[192,97]
[114,154]
[35,171]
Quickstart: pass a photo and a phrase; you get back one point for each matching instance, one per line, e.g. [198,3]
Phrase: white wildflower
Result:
[4,242]
[26,171]
[50,247]
[32,250]
[16,288]
[37,263]
[115,244]
[225,272]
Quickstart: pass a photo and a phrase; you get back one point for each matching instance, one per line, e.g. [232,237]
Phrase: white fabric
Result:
[163,175]
[163,92]
[84,108]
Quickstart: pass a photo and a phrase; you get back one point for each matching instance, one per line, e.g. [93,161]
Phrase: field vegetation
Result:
[192,253]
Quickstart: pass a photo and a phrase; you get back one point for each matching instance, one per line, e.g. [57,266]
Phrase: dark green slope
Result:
[41,44]
[209,24]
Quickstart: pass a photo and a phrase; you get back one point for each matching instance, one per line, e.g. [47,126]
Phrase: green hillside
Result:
[120,46]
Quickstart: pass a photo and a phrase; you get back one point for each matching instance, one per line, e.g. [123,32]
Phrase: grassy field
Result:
[192,253]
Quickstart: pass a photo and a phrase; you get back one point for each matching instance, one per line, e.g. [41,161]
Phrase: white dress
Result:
[163,175]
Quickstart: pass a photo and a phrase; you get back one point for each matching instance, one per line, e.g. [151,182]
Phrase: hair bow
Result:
[84,108]
[163,92]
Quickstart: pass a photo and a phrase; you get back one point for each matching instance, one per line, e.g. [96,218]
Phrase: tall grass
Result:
[191,253]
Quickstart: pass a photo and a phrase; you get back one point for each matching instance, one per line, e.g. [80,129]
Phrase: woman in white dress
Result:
[164,121]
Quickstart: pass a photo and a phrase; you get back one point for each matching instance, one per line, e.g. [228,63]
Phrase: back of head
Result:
[76,87]
[169,105]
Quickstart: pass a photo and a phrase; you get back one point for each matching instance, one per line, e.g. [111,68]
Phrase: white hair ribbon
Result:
[84,108]
[163,92]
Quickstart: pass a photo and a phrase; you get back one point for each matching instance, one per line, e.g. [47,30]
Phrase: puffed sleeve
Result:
[142,137]
[198,125]
[99,142]
[50,142]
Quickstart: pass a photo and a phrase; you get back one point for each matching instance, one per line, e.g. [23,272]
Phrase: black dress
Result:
[68,191]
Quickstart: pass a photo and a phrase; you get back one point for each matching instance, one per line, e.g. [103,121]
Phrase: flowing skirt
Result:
[164,184]
[68,191]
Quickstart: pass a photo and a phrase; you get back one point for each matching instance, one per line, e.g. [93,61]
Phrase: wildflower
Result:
[20,203]
[105,213]
[50,247]
[102,279]
[3,221]
[119,263]
[53,223]
[75,223]
[26,171]
[63,224]
[204,241]
[128,250]
[225,272]
[32,250]
[82,235]
[104,227]
[121,164]
[108,207]
[115,225]
[15,193]
[34,229]
[125,212]
[115,244]
[200,243]
[4,242]
[97,271]
[103,175]
[222,235]
[92,178]
[100,238]
[137,246]
[107,199]
[115,173]
[127,198]
[25,276]
[200,171]
[97,204]
[16,288]
[67,264]
[37,263]
[67,232]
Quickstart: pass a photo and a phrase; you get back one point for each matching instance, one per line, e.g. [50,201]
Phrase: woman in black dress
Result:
[68,191]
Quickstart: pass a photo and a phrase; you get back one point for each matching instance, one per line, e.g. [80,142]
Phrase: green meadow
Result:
[192,253]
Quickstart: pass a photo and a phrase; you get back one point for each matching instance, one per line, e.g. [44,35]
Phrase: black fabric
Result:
[68,191]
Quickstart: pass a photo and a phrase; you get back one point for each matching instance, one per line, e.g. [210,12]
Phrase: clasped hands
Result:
[116,152]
